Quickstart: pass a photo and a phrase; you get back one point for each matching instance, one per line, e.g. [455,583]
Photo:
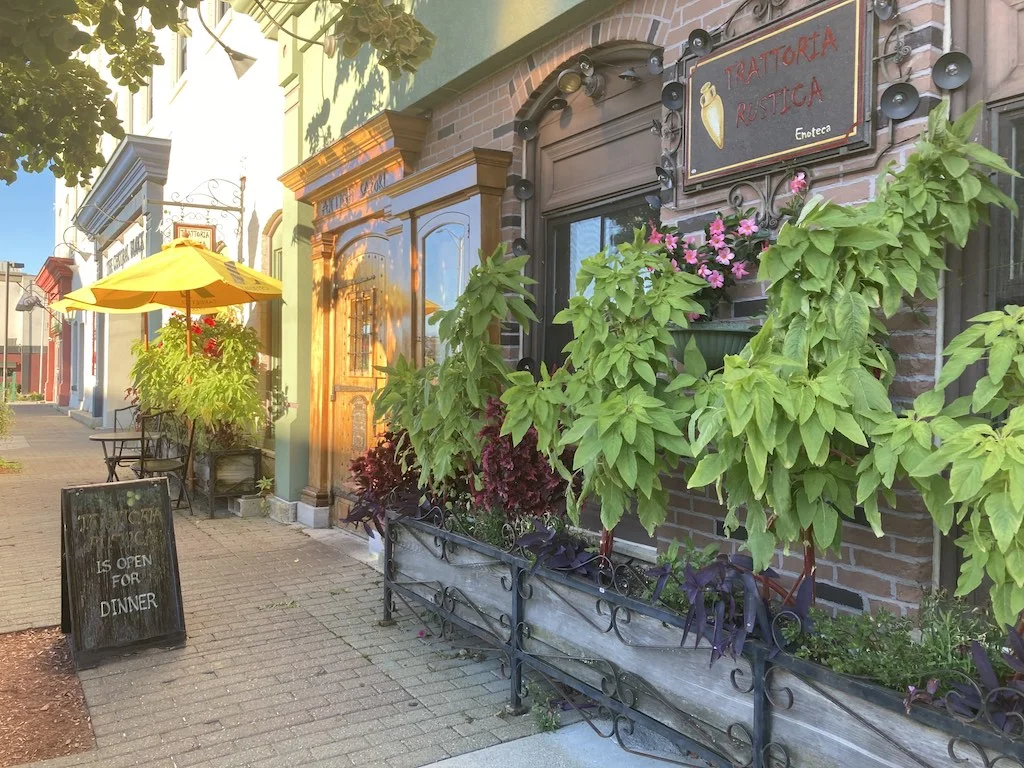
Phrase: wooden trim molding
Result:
[478,171]
[317,492]
[388,132]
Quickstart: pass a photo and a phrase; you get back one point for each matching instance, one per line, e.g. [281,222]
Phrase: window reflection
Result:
[444,270]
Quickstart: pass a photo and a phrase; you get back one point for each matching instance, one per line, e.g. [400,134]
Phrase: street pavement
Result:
[285,664]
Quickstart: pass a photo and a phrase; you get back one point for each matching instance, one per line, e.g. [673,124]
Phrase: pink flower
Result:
[691,316]
[717,241]
[656,237]
[675,264]
[747,227]
[798,184]
[690,255]
[739,270]
[717,227]
[765,247]
[715,279]
[703,270]
[725,256]
[671,241]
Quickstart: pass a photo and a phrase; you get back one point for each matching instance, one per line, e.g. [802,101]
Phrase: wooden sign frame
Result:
[73,619]
[211,228]
[856,134]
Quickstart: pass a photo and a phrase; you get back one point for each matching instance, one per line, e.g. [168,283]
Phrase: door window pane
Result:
[1007,273]
[444,276]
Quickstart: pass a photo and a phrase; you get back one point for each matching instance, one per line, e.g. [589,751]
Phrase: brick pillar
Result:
[317,491]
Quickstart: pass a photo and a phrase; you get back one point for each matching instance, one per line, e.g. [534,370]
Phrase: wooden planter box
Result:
[227,474]
[754,711]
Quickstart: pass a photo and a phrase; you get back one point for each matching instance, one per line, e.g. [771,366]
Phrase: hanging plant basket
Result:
[715,339]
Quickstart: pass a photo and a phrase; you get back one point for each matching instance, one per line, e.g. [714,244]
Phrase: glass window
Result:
[361,333]
[274,394]
[181,61]
[573,239]
[444,275]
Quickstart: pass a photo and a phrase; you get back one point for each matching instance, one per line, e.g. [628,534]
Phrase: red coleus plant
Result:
[516,479]
[385,476]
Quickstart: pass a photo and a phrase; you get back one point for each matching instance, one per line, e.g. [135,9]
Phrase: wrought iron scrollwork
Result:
[760,12]
[213,201]
[768,197]
[896,52]
[959,746]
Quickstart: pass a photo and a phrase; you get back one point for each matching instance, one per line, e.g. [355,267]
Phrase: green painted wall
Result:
[292,432]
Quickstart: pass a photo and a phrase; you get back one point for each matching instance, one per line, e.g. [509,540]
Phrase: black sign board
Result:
[119,569]
[793,88]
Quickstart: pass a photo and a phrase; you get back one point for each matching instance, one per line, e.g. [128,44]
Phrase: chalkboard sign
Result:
[119,569]
[800,86]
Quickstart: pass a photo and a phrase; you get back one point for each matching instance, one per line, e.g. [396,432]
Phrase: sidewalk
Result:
[285,664]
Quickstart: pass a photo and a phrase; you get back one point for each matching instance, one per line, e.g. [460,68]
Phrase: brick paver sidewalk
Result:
[285,664]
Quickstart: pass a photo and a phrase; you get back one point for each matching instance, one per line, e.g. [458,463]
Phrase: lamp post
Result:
[7,317]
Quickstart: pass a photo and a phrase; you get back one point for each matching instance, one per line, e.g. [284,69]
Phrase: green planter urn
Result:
[715,339]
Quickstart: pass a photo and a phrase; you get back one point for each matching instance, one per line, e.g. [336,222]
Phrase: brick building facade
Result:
[590,155]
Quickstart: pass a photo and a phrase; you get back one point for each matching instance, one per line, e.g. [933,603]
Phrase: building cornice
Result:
[474,171]
[55,275]
[386,134]
[270,23]
[137,160]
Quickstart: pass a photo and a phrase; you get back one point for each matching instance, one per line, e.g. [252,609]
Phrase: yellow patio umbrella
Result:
[184,275]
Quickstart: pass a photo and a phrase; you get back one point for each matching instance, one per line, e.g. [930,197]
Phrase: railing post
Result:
[762,708]
[515,699]
[387,620]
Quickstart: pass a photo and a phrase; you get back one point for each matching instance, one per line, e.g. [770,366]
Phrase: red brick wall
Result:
[868,572]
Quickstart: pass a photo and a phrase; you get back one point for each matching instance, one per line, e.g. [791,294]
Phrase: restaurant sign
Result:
[794,88]
[201,233]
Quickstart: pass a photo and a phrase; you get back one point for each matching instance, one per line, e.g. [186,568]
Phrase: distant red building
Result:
[55,280]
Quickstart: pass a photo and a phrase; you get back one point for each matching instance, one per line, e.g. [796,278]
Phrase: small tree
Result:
[791,430]
[618,400]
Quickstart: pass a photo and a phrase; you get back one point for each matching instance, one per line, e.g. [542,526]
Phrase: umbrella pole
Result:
[189,471]
[188,321]
[145,330]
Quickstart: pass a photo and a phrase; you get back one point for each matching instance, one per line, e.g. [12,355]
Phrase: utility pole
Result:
[7,317]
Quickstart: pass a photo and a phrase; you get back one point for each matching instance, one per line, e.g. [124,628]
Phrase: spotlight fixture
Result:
[630,75]
[240,62]
[332,42]
[899,101]
[952,70]
[673,96]
[656,63]
[656,127]
[569,80]
[593,86]
[884,9]
[527,130]
[699,42]
[557,104]
[520,247]
[523,189]
[654,201]
[666,177]
[586,65]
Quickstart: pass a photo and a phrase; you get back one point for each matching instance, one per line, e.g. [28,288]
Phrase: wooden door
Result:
[358,353]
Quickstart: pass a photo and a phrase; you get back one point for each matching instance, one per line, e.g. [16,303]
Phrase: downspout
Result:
[940,313]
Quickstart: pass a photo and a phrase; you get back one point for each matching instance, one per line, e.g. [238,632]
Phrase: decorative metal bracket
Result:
[896,51]
[209,201]
[762,11]
[773,188]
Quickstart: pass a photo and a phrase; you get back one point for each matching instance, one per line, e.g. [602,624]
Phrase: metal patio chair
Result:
[166,445]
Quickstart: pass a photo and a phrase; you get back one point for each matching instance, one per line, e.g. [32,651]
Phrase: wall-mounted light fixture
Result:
[673,96]
[884,9]
[666,176]
[523,189]
[520,247]
[656,63]
[899,101]
[952,70]
[630,75]
[240,62]
[527,130]
[557,104]
[700,42]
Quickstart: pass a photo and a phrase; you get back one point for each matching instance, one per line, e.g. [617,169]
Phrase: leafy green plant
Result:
[618,400]
[544,711]
[216,386]
[442,405]
[787,427]
[981,440]
[6,419]
[898,652]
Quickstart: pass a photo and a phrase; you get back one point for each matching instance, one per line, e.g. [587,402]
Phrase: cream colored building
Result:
[203,147]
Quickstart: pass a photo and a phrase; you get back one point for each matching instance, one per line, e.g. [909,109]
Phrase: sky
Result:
[26,219]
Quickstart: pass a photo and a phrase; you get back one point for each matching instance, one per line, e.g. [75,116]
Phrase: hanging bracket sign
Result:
[201,233]
[798,87]
[120,588]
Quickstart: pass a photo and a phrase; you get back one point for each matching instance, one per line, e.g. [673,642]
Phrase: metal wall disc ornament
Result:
[523,189]
[656,63]
[557,104]
[527,130]
[952,70]
[899,101]
[699,42]
[520,247]
[673,96]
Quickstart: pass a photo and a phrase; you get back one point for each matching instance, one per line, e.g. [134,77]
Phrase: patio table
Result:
[114,446]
